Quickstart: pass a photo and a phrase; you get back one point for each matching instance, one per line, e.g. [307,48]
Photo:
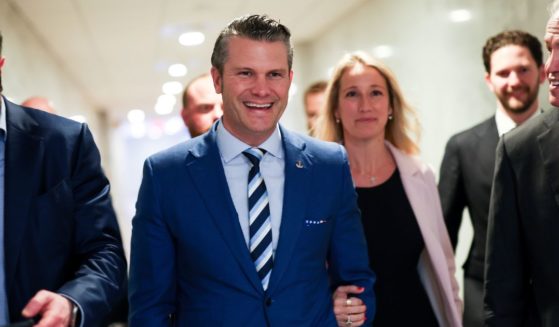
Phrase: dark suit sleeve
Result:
[99,278]
[152,264]
[505,276]
[451,190]
[348,260]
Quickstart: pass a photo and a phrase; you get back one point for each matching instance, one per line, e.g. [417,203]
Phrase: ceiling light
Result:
[383,51]
[136,116]
[177,70]
[460,15]
[172,88]
[165,104]
[191,38]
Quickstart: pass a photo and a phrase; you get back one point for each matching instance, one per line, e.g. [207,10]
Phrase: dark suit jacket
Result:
[60,230]
[189,257]
[466,177]
[522,267]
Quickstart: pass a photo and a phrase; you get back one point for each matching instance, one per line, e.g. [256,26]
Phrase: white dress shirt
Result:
[237,167]
[505,123]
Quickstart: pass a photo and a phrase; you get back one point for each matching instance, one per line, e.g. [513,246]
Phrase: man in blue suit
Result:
[61,259]
[248,224]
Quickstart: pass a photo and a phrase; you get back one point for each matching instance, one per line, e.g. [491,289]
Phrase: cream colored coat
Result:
[436,265]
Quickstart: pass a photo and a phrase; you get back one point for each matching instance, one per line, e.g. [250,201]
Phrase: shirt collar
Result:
[3,115]
[505,123]
[230,146]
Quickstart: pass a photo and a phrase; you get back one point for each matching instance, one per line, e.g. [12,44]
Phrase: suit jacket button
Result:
[268,301]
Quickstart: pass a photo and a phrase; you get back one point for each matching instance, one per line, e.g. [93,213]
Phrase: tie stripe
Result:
[260,226]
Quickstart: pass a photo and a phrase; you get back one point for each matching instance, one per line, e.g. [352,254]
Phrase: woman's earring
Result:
[337,120]
[390,117]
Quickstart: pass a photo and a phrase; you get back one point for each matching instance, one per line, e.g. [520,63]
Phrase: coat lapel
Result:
[410,175]
[298,166]
[417,193]
[549,148]
[23,154]
[422,199]
[206,170]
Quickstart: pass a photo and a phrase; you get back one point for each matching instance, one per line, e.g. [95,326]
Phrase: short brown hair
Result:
[316,87]
[254,27]
[515,37]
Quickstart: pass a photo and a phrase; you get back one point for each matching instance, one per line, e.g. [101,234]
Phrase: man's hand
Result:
[349,311]
[55,310]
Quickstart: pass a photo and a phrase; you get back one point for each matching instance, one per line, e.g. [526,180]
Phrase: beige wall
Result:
[31,69]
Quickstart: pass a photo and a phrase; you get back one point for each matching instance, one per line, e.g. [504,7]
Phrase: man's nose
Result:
[514,79]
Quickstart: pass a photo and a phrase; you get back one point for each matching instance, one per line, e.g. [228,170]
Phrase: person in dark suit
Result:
[522,261]
[514,70]
[210,249]
[62,259]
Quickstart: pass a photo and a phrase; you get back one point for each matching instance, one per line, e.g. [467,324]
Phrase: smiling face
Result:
[552,63]
[254,85]
[363,103]
[515,78]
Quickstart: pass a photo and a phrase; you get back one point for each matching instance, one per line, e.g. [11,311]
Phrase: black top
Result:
[395,244]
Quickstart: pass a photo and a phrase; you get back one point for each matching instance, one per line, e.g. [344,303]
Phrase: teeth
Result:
[257,105]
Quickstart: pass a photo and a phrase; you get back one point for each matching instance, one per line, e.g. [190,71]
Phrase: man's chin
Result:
[554,101]
[517,109]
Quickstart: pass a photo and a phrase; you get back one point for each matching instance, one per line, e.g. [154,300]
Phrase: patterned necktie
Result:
[260,226]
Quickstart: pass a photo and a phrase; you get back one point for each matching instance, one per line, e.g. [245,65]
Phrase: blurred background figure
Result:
[408,244]
[41,103]
[314,99]
[201,106]
[514,70]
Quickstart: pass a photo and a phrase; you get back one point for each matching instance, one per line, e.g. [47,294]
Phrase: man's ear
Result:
[488,82]
[542,74]
[2,59]
[216,77]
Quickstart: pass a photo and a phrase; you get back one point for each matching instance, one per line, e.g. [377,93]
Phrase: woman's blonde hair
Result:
[403,130]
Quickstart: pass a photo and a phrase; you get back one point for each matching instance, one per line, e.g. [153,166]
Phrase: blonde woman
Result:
[409,248]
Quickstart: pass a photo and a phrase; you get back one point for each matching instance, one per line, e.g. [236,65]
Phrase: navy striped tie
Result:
[260,225]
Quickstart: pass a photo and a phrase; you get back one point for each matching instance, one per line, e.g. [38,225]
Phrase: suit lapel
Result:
[416,191]
[548,143]
[488,137]
[297,179]
[206,170]
[483,151]
[23,156]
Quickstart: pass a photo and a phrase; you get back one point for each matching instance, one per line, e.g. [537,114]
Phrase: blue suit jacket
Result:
[190,260]
[60,230]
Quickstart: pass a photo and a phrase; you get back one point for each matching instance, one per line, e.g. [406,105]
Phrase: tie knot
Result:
[254,155]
